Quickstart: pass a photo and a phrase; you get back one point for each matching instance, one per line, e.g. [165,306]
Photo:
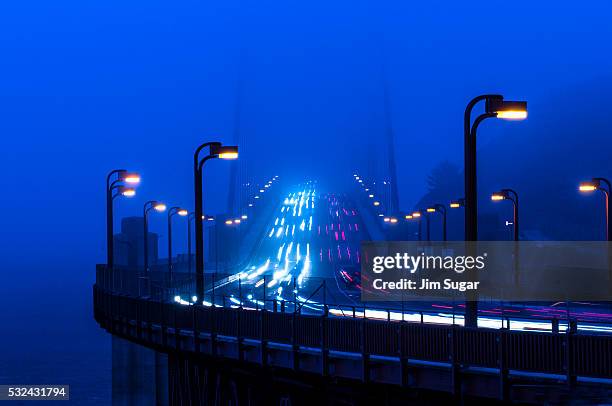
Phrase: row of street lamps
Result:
[116,186]
[455,204]
[495,107]
[596,184]
[119,182]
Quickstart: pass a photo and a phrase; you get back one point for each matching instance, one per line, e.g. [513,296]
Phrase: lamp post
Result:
[171,212]
[456,204]
[593,185]
[215,150]
[231,224]
[408,217]
[116,180]
[439,208]
[212,222]
[191,216]
[509,194]
[417,215]
[598,184]
[427,224]
[146,208]
[495,106]
[189,260]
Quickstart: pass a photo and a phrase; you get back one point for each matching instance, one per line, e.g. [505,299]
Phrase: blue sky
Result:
[88,86]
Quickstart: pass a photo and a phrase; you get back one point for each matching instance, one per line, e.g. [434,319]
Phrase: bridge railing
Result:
[569,355]
[312,296]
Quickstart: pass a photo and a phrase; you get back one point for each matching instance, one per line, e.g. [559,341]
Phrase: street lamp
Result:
[147,207]
[495,106]
[116,180]
[173,211]
[511,110]
[417,215]
[509,194]
[215,150]
[456,204]
[439,208]
[428,224]
[190,218]
[127,191]
[598,184]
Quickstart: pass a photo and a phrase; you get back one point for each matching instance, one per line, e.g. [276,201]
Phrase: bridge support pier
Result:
[206,381]
[196,330]
[569,362]
[405,372]
[504,392]
[295,347]
[161,379]
[455,366]
[325,362]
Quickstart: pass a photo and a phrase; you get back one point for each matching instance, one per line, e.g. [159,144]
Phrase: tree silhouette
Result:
[444,183]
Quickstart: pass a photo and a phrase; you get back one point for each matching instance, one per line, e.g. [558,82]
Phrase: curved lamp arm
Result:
[110,175]
[196,155]
[607,182]
[470,106]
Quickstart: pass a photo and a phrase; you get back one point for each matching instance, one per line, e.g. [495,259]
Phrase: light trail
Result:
[298,212]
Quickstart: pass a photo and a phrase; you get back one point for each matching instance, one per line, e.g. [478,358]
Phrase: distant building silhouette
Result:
[138,374]
[129,244]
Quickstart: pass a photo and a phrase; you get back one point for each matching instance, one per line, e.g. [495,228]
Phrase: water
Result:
[49,336]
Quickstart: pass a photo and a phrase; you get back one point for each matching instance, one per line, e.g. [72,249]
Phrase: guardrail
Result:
[315,296]
[571,355]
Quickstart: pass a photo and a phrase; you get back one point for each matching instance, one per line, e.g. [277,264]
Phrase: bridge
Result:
[288,306]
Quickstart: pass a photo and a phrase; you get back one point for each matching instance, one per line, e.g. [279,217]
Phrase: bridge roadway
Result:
[310,254]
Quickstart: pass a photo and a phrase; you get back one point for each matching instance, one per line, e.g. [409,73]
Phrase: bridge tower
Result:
[240,184]
[393,197]
[381,161]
